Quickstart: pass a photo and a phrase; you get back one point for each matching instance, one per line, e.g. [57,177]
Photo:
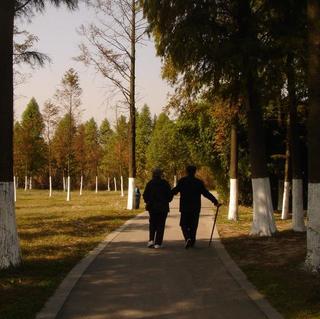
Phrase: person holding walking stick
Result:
[191,189]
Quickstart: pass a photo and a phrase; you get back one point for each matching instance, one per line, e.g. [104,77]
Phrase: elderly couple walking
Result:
[157,196]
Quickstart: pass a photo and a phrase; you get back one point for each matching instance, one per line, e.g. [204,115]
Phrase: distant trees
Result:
[50,115]
[68,97]
[144,134]
[30,147]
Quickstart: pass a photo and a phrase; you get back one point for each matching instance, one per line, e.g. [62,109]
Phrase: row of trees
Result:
[53,145]
[255,57]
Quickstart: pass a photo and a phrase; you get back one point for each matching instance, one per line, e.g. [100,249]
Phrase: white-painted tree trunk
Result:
[30,182]
[280,194]
[15,188]
[121,185]
[131,195]
[174,180]
[115,184]
[313,227]
[81,185]
[96,184]
[50,186]
[9,241]
[108,184]
[233,201]
[25,183]
[263,220]
[64,183]
[68,189]
[297,206]
[286,200]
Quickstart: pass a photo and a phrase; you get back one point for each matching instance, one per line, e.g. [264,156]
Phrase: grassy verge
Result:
[54,236]
[274,265]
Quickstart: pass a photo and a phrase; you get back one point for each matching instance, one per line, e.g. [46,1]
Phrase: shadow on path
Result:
[128,280]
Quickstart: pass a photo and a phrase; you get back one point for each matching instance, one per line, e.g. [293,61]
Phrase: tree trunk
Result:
[132,136]
[25,183]
[121,185]
[81,185]
[63,182]
[96,184]
[234,192]
[68,189]
[115,184]
[263,219]
[30,182]
[15,188]
[287,175]
[297,182]
[9,241]
[50,186]
[280,194]
[108,184]
[313,227]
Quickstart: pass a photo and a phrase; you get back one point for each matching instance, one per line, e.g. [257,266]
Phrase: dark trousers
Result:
[157,222]
[189,224]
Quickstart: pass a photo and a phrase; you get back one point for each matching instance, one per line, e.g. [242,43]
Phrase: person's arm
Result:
[208,195]
[146,193]
[169,194]
[176,189]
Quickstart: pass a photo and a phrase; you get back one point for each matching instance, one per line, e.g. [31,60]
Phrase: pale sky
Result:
[56,30]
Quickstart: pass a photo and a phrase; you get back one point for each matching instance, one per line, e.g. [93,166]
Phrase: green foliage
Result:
[167,149]
[63,146]
[92,151]
[143,138]
[29,135]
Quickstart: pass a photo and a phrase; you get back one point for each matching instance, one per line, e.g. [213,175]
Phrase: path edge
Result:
[238,275]
[54,304]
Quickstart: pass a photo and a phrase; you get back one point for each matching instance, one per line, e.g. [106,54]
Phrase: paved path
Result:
[129,281]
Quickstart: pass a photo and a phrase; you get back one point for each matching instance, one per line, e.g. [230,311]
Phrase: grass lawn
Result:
[274,265]
[54,236]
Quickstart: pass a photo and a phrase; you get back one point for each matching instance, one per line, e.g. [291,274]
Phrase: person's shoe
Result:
[188,243]
[157,246]
[150,244]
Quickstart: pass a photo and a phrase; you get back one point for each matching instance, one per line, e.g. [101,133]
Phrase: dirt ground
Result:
[275,265]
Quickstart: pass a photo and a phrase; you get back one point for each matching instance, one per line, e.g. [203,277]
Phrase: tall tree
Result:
[111,49]
[92,149]
[80,152]
[50,117]
[68,97]
[32,127]
[213,42]
[313,227]
[60,144]
[144,133]
[105,134]
[10,252]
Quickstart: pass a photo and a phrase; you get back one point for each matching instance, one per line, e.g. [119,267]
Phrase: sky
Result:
[58,38]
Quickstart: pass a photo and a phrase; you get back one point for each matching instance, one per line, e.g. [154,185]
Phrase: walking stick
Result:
[214,224]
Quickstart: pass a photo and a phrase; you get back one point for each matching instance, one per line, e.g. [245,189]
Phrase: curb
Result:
[57,300]
[241,279]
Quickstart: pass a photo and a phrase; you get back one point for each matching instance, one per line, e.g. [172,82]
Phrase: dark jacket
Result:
[191,189]
[157,196]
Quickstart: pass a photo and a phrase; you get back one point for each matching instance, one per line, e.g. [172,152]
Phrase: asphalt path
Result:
[127,280]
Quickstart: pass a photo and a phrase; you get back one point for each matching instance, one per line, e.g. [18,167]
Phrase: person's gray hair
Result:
[157,172]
